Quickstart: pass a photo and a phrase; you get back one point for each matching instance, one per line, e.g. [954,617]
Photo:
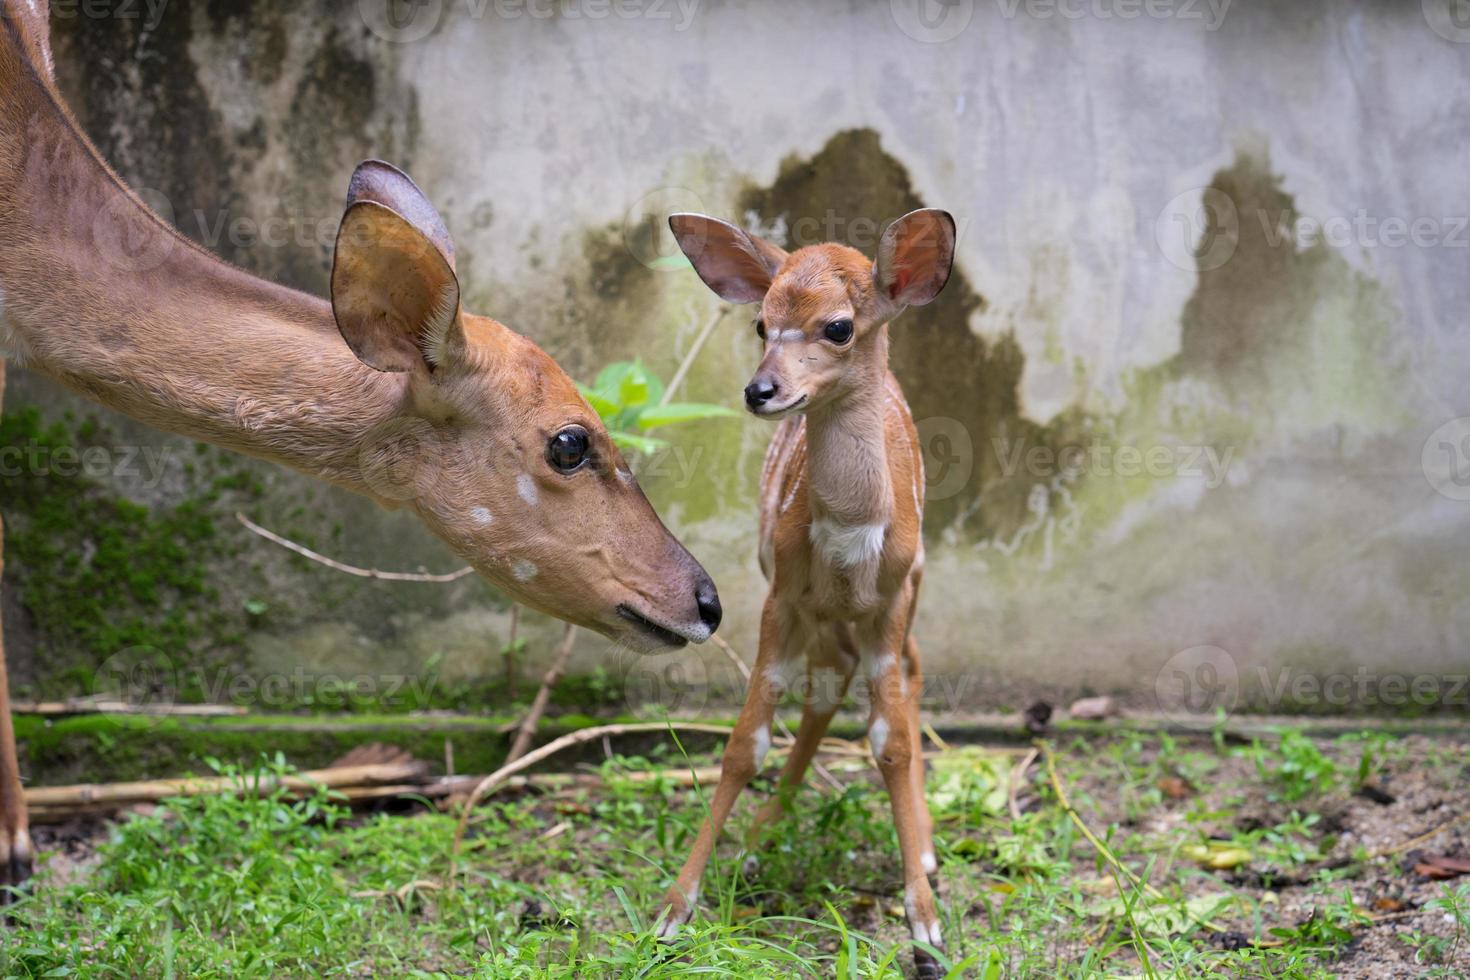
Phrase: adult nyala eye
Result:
[760,329]
[568,449]
[839,331]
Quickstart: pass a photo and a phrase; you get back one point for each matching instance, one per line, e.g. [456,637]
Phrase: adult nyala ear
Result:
[32,20]
[915,256]
[737,265]
[394,292]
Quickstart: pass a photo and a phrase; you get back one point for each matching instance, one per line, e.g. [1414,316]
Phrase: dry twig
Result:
[527,729]
[306,552]
[550,749]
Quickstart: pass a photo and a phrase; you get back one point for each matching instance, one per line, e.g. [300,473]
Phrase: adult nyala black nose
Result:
[759,391]
[708,601]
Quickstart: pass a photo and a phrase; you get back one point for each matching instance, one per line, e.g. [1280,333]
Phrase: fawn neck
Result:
[848,454]
[104,298]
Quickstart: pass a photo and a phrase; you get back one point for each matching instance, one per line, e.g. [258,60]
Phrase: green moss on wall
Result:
[98,573]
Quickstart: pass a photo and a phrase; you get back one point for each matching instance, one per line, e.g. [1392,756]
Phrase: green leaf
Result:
[676,261]
[643,444]
[611,376]
[605,407]
[639,386]
[676,412]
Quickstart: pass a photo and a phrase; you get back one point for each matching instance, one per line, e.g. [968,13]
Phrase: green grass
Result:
[225,887]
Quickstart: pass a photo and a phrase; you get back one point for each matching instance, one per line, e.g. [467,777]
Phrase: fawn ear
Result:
[737,265]
[394,292]
[915,256]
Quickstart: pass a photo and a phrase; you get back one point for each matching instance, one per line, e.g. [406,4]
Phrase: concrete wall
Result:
[1198,384]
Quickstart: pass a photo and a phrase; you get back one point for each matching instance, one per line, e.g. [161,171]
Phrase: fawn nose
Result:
[708,601]
[760,391]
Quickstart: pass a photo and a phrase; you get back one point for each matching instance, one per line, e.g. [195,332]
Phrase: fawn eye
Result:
[760,329]
[839,331]
[567,450]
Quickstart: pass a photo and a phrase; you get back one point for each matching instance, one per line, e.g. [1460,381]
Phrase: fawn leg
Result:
[744,754]
[829,671]
[891,733]
[924,822]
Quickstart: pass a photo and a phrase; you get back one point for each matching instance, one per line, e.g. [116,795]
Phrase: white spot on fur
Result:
[790,497]
[880,665]
[924,932]
[480,515]
[626,476]
[762,745]
[848,545]
[928,862]
[826,691]
[793,336]
[526,487]
[523,570]
[877,736]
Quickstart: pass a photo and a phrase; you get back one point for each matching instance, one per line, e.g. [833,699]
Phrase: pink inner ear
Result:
[900,283]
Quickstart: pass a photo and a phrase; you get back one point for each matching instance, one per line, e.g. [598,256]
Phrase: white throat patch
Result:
[848,545]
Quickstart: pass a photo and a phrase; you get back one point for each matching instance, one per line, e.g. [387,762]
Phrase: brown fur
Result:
[841,513]
[100,295]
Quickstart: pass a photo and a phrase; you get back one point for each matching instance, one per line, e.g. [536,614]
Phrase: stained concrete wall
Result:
[1198,383]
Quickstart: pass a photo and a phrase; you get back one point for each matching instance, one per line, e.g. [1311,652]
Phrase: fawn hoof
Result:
[750,867]
[926,967]
[678,909]
[17,861]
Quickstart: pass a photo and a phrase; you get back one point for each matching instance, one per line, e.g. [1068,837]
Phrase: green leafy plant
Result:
[630,400]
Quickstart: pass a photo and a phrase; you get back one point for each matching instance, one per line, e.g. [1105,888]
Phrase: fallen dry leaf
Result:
[1175,788]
